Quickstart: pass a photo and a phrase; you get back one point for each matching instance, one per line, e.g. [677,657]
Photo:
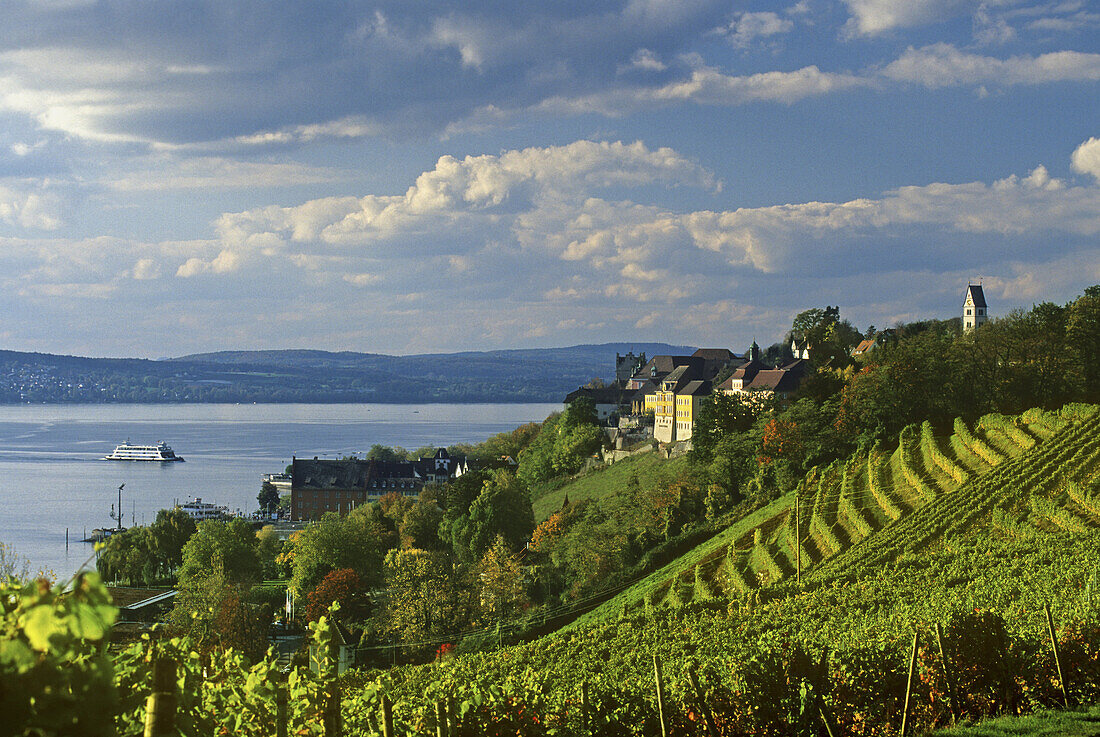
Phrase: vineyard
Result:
[1039,471]
[907,584]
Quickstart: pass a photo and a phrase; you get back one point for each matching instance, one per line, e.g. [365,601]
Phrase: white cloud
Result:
[872,17]
[29,208]
[645,60]
[167,172]
[747,27]
[943,65]
[1086,158]
[990,29]
[472,196]
[709,86]
[146,268]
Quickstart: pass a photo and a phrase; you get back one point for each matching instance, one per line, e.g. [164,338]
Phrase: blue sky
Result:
[407,177]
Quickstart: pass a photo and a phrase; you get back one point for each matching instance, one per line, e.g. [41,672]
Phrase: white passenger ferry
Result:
[128,452]
[199,510]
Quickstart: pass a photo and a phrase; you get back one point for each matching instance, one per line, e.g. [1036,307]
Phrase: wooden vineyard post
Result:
[797,544]
[660,694]
[1057,658]
[160,707]
[440,719]
[909,684]
[819,682]
[280,708]
[949,674]
[712,729]
[387,717]
[333,725]
[586,717]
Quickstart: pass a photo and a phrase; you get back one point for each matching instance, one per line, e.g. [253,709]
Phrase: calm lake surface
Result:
[51,477]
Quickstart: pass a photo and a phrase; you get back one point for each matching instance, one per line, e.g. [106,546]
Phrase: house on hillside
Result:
[677,403]
[628,365]
[715,360]
[800,349]
[755,379]
[880,339]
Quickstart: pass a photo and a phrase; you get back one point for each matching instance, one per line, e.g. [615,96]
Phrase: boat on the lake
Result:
[127,452]
[200,511]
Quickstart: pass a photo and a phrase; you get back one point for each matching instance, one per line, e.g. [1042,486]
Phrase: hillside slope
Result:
[1040,470]
[978,532]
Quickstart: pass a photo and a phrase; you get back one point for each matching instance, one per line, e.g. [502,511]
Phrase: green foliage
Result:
[268,498]
[228,546]
[423,598]
[356,541]
[564,443]
[379,452]
[720,415]
[147,555]
[502,508]
[55,675]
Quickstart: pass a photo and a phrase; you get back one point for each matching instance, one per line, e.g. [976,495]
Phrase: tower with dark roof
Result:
[975,311]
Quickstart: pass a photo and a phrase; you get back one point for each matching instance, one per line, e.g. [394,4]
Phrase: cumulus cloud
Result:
[1086,158]
[534,212]
[476,192]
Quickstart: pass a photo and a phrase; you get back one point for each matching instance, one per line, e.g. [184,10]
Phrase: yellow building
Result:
[676,405]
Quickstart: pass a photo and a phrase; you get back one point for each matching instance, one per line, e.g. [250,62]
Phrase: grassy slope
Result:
[1077,723]
[648,468]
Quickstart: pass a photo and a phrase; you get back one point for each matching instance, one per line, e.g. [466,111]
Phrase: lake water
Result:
[51,477]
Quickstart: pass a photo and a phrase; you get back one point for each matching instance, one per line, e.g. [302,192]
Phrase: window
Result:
[968,310]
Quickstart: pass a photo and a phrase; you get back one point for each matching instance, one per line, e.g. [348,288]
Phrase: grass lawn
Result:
[1076,723]
[647,468]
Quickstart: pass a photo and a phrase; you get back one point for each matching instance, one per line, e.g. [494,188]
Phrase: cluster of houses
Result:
[670,389]
[325,485]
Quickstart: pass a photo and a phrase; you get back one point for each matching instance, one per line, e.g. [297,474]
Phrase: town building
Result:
[322,485]
[676,403]
[975,310]
[628,365]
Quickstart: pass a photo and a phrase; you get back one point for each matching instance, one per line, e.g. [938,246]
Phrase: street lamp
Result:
[117,517]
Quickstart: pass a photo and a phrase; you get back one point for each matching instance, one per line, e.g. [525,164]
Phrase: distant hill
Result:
[526,375]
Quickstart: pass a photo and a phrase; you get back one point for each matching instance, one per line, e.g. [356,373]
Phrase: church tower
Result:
[975,312]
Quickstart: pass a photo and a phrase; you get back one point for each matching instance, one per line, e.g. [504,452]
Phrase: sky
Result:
[415,177]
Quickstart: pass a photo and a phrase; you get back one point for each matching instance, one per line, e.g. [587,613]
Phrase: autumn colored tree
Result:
[422,597]
[548,532]
[343,586]
[781,440]
[500,576]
